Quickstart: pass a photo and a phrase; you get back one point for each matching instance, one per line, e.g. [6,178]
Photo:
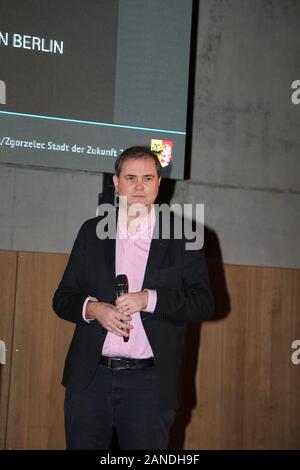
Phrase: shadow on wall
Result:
[193,331]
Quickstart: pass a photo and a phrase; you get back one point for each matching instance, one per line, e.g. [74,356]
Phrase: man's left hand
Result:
[132,302]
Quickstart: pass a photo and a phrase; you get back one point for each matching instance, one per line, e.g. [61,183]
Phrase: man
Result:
[133,385]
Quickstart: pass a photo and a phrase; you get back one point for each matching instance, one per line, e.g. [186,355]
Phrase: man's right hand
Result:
[108,316]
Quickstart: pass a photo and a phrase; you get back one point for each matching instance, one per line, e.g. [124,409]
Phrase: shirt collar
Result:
[141,228]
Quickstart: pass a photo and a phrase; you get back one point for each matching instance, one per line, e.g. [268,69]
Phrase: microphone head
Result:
[121,284]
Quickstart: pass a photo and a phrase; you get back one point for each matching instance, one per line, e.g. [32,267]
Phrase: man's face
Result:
[139,181]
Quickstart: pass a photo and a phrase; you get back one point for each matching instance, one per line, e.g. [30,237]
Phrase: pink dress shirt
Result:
[131,259]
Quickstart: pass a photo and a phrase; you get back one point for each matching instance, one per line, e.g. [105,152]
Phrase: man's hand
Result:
[109,317]
[132,302]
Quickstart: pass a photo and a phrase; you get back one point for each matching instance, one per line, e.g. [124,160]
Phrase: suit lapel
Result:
[156,254]
[157,250]
[110,254]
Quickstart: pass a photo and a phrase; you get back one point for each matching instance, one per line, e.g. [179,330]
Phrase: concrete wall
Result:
[245,152]
[246,145]
[42,210]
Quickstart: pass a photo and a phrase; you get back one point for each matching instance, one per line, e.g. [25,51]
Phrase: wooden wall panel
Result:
[247,387]
[8,269]
[240,388]
[40,344]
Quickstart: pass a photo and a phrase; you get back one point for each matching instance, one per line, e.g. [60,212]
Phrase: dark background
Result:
[78,84]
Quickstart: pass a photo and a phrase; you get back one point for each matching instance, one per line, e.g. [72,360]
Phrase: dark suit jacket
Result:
[183,294]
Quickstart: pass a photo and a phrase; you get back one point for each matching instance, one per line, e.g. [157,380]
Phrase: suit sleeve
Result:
[69,297]
[194,302]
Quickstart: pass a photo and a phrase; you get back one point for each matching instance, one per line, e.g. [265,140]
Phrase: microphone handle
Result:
[121,291]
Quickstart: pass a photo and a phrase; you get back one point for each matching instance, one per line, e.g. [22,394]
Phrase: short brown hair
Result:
[137,152]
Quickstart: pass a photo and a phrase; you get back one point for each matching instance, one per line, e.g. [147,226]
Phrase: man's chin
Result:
[137,200]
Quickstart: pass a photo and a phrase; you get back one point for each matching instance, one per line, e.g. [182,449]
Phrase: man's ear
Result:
[116,182]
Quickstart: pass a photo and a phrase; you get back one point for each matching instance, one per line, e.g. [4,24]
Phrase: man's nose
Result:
[139,185]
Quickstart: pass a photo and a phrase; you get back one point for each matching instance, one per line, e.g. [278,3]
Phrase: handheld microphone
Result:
[122,288]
